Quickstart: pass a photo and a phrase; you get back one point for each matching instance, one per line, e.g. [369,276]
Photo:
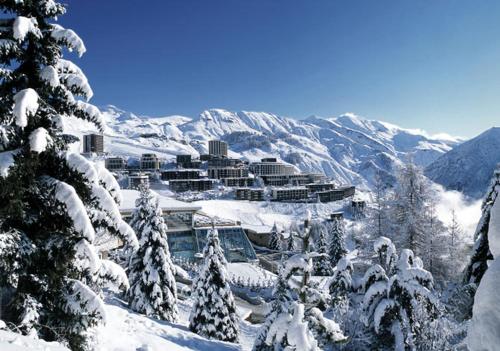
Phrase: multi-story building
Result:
[290,194]
[336,194]
[217,148]
[186,161]
[191,185]
[115,163]
[289,179]
[173,174]
[240,182]
[219,162]
[227,172]
[135,180]
[265,167]
[150,162]
[93,143]
[315,187]
[250,194]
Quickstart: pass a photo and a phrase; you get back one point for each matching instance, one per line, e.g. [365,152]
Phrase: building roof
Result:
[166,203]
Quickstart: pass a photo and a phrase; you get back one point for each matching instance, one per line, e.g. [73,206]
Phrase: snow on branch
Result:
[82,299]
[6,161]
[8,46]
[50,76]
[25,102]
[67,195]
[69,38]
[24,25]
[89,112]
[39,140]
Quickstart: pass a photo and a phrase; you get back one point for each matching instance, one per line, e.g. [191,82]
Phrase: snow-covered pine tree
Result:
[291,243]
[53,203]
[275,239]
[481,254]
[336,247]
[153,290]
[392,303]
[408,209]
[214,312]
[341,283]
[322,264]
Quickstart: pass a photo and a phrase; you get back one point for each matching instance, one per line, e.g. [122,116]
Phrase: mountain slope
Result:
[469,166]
[349,149]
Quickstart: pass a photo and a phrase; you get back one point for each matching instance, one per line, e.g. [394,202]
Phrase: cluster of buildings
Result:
[267,179]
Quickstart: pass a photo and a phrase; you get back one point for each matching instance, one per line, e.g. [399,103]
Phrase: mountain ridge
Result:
[348,148]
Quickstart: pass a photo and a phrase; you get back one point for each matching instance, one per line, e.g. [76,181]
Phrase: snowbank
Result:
[484,330]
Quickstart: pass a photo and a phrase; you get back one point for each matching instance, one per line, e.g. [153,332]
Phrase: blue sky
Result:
[430,64]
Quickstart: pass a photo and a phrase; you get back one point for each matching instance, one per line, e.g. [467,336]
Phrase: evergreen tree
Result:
[393,303]
[322,265]
[341,283]
[379,212]
[291,244]
[481,254]
[408,209]
[53,204]
[336,249]
[153,290]
[275,239]
[214,312]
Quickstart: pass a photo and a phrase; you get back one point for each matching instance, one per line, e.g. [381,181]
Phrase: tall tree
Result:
[408,207]
[379,212]
[322,264]
[153,290]
[214,312]
[336,247]
[275,239]
[52,203]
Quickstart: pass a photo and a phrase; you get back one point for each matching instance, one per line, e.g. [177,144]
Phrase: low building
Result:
[250,194]
[183,174]
[221,162]
[238,182]
[93,143]
[187,236]
[227,172]
[150,162]
[135,180]
[258,234]
[115,163]
[289,179]
[290,194]
[182,185]
[315,187]
[336,194]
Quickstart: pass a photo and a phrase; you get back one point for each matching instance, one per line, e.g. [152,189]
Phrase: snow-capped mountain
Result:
[348,148]
[468,167]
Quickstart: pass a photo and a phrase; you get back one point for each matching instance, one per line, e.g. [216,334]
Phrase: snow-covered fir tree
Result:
[341,283]
[213,314]
[322,264]
[153,290]
[393,302]
[481,252]
[275,239]
[291,243]
[378,215]
[336,247]
[53,204]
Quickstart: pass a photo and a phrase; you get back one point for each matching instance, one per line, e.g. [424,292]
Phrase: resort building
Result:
[93,143]
[250,194]
[217,148]
[227,172]
[238,182]
[290,194]
[269,166]
[180,173]
[181,185]
[115,163]
[150,162]
[187,230]
[135,180]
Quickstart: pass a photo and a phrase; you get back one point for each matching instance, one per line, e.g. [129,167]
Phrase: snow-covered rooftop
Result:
[166,203]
